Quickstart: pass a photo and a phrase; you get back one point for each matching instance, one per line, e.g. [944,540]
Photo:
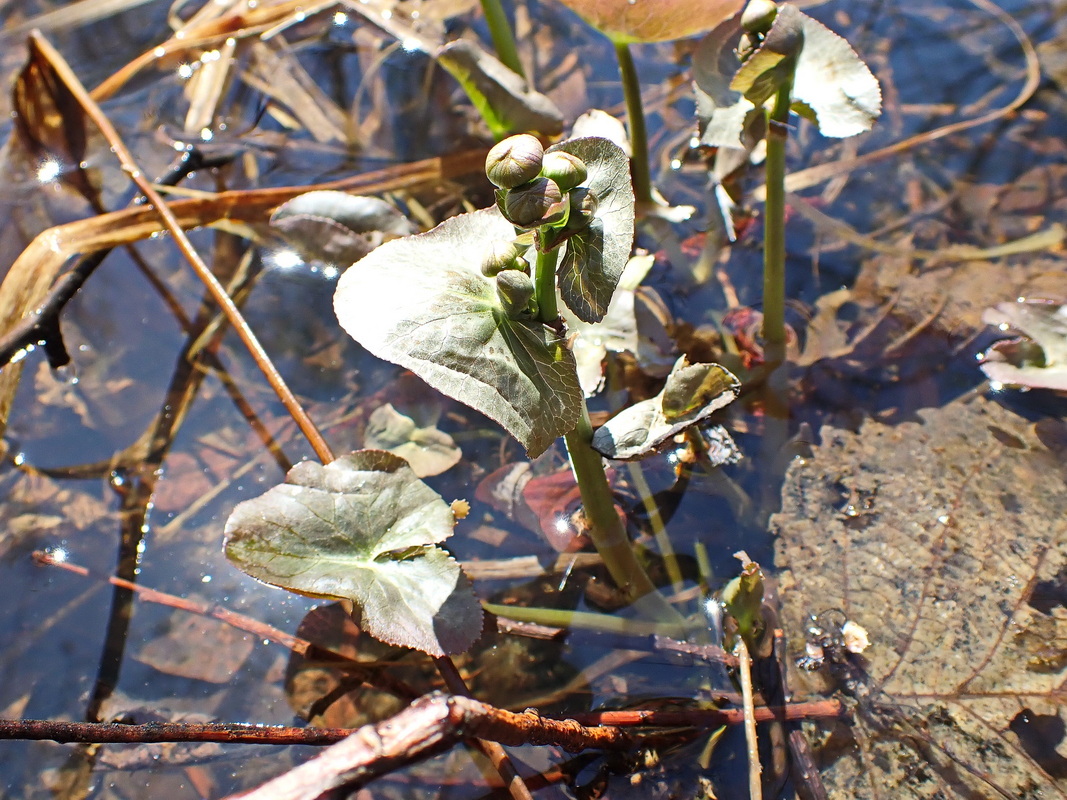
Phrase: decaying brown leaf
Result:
[946,539]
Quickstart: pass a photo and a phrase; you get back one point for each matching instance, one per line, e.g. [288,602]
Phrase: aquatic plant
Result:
[757,69]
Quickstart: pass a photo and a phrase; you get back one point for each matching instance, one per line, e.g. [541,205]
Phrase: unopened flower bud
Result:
[516,291]
[583,205]
[514,161]
[504,255]
[759,15]
[565,169]
[537,203]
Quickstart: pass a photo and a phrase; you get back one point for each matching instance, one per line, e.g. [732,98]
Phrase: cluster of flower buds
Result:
[536,191]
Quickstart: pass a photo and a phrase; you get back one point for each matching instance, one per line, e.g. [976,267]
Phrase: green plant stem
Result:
[606,528]
[545,285]
[774,228]
[631,89]
[588,620]
[503,38]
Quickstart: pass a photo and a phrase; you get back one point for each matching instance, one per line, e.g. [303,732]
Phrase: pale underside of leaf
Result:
[1046,325]
[422,303]
[362,528]
[933,536]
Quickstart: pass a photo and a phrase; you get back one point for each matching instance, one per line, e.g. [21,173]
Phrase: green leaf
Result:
[362,528]
[832,86]
[722,109]
[422,302]
[596,256]
[834,83]
[693,392]
[742,598]
[505,100]
[653,20]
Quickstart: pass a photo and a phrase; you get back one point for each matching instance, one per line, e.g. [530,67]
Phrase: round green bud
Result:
[537,203]
[503,255]
[565,169]
[759,15]
[514,161]
[516,291]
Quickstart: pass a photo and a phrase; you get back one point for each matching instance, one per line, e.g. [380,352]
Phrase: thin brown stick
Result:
[218,293]
[710,718]
[755,787]
[118,733]
[491,750]
[428,726]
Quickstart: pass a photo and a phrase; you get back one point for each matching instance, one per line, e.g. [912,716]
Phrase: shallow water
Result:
[76,480]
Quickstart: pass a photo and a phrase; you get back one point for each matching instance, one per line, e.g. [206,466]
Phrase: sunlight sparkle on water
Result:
[340,19]
[284,259]
[562,524]
[48,170]
[185,71]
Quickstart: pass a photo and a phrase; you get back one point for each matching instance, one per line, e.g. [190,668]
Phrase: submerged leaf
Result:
[1040,360]
[504,99]
[597,255]
[427,450]
[362,528]
[337,227]
[423,303]
[946,540]
[653,20]
[693,392]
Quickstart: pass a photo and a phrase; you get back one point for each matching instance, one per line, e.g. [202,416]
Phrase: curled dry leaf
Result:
[693,392]
[946,541]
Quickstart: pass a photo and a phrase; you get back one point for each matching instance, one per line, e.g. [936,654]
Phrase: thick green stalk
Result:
[606,528]
[545,285]
[635,112]
[774,228]
[503,38]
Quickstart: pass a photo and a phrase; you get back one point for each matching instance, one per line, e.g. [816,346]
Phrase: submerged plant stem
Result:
[635,112]
[606,529]
[545,285]
[502,35]
[774,228]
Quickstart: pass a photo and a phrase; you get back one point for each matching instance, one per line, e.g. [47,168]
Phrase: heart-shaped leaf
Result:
[362,528]
[597,255]
[422,302]
[653,20]
[692,393]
